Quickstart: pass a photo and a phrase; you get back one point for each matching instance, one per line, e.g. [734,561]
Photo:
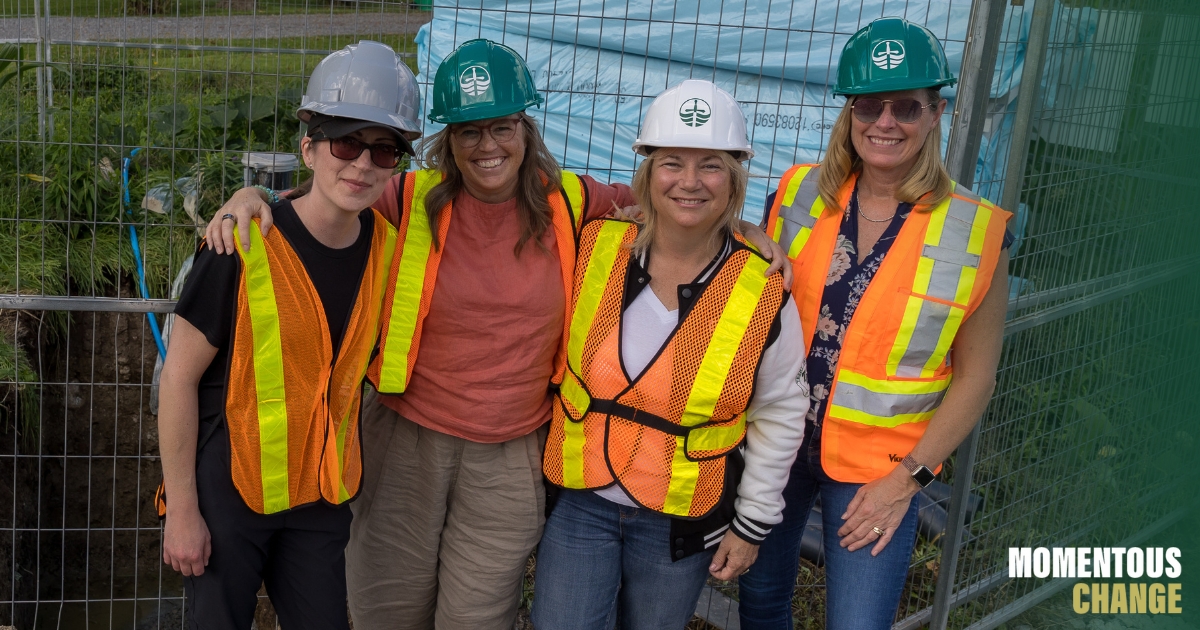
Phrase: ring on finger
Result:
[878,531]
[229,216]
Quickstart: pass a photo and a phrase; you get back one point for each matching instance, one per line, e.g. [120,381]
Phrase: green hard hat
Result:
[892,54]
[479,80]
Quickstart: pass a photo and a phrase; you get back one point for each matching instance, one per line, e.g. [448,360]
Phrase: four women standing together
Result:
[673,364]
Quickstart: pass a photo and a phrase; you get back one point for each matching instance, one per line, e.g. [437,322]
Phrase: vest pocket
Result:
[716,439]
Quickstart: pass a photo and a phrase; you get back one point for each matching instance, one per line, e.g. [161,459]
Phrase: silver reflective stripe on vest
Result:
[948,259]
[799,215]
[886,405]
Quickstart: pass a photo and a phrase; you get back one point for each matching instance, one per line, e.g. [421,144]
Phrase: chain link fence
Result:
[128,120]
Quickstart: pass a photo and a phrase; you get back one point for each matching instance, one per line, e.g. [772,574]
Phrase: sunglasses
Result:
[382,155]
[904,110]
[501,131]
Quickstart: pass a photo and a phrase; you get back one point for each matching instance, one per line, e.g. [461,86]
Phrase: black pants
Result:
[300,555]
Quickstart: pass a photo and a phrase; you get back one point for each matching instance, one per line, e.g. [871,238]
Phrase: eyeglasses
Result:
[501,131]
[382,155]
[904,110]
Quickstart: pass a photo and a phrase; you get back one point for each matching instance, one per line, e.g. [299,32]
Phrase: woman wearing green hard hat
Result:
[897,270]
[452,501]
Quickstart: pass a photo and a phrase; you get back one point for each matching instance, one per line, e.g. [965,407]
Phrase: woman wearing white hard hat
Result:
[901,285]
[453,499]
[683,402]
[262,383]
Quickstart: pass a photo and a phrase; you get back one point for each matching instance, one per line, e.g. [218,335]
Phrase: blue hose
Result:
[137,256]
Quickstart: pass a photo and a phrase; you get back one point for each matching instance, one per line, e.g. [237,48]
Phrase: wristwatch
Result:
[919,472]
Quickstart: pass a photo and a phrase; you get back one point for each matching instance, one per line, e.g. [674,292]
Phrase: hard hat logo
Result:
[888,54]
[475,80]
[695,112]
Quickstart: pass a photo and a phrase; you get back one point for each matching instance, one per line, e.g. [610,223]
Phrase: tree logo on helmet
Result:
[475,80]
[695,112]
[888,54]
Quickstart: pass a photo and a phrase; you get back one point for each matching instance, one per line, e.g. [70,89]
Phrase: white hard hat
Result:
[365,81]
[695,114]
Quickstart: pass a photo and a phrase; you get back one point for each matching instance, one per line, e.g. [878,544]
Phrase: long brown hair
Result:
[928,182]
[730,223]
[539,176]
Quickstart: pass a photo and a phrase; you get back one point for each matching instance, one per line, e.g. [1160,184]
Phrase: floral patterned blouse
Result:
[844,287]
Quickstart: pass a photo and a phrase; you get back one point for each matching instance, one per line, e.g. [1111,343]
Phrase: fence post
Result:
[1030,88]
[964,467]
[974,89]
[966,133]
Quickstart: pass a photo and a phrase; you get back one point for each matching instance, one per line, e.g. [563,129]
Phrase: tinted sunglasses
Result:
[382,155]
[904,110]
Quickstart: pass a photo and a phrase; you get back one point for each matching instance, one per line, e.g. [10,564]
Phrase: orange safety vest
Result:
[894,367]
[292,408]
[664,436]
[414,274]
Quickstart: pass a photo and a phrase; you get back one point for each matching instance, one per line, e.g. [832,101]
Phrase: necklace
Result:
[863,215]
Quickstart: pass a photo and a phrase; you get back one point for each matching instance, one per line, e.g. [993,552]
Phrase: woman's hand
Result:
[733,558]
[770,250]
[186,542]
[628,213]
[244,205]
[881,503]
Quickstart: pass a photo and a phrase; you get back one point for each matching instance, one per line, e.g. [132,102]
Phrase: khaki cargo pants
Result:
[442,528]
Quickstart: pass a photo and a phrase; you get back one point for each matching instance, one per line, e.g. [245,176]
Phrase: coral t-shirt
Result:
[495,322]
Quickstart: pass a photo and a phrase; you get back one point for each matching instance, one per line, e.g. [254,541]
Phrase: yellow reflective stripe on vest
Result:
[946,271]
[591,291]
[573,436]
[884,403]
[799,210]
[410,285]
[710,380]
[595,279]
[573,189]
[343,494]
[268,373]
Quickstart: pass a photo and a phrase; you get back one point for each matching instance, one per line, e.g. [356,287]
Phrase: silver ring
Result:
[878,532]
[229,216]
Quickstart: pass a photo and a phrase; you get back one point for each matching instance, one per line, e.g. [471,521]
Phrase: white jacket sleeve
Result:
[776,419]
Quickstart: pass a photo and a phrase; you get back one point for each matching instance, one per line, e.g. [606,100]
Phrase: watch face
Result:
[923,476]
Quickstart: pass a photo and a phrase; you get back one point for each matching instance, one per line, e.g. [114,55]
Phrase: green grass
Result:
[189,8]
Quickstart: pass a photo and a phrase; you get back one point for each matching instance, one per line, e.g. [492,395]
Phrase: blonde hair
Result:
[539,176]
[928,183]
[738,176]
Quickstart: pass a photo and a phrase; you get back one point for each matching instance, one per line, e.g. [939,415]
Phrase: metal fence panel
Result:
[170,93]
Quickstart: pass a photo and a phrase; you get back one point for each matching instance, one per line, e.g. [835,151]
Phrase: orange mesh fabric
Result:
[639,457]
[595,470]
[312,395]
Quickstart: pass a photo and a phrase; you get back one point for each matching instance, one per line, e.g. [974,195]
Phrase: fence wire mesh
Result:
[160,99]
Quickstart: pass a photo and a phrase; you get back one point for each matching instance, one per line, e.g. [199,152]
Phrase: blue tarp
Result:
[600,63]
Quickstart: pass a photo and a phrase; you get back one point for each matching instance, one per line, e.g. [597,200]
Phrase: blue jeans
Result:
[862,592]
[596,554]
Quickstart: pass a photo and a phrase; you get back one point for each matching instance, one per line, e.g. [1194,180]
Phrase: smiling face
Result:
[690,188]
[489,154]
[887,144]
[351,185]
